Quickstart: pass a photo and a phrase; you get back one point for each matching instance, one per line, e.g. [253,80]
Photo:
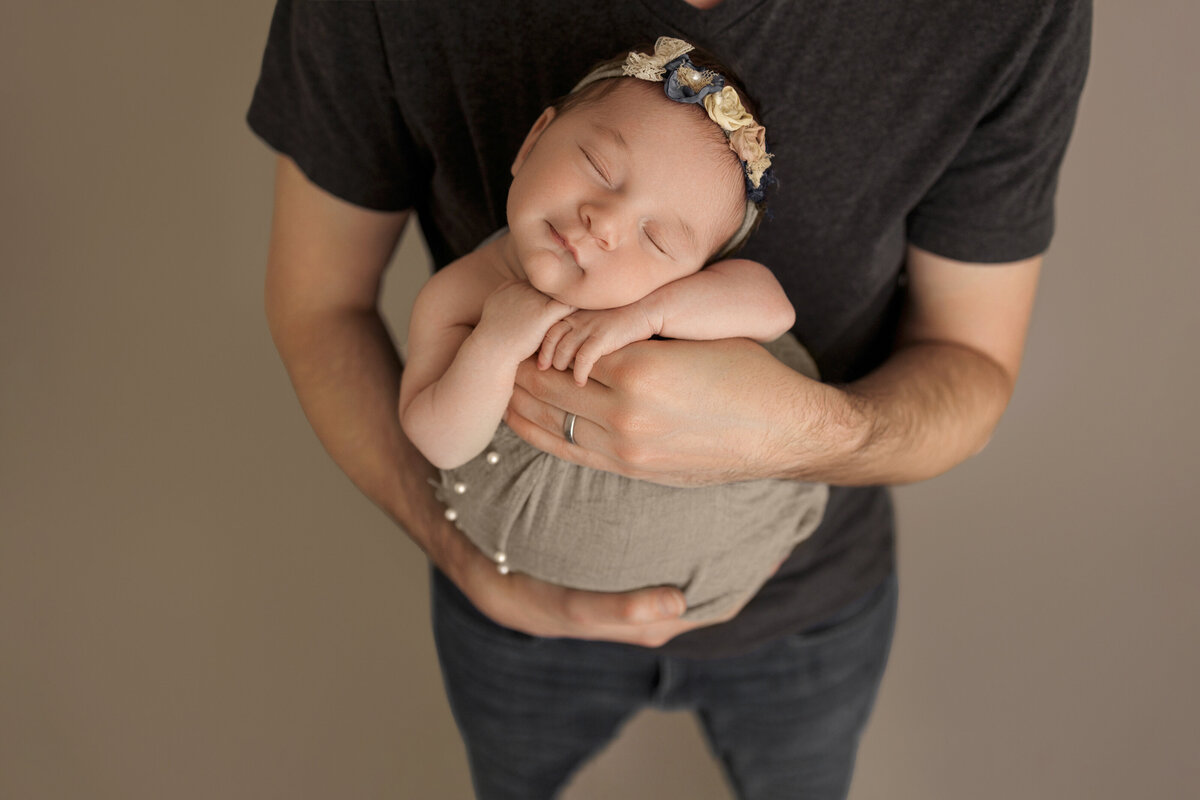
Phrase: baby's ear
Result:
[531,138]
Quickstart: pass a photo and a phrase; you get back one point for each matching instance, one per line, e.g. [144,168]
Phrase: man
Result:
[914,143]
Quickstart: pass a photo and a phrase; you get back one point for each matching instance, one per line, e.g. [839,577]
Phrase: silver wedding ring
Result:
[569,428]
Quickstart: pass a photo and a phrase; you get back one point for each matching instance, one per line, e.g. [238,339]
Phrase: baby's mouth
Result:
[563,243]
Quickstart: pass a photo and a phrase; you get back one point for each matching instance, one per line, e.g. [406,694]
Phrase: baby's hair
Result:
[591,92]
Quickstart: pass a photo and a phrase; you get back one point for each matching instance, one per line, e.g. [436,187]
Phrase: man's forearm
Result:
[939,396]
[928,408]
[346,374]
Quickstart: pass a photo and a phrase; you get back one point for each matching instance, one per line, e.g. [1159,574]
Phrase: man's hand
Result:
[678,412]
[646,617]
[583,337]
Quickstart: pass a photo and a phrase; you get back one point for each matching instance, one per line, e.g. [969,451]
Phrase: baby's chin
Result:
[548,272]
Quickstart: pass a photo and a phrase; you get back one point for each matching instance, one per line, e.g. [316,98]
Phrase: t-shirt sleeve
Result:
[325,99]
[995,201]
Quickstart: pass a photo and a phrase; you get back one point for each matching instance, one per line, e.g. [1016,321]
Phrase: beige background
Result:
[195,603]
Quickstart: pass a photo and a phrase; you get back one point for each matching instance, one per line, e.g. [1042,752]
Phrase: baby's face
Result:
[620,196]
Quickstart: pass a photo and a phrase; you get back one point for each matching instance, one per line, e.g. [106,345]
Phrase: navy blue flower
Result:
[679,91]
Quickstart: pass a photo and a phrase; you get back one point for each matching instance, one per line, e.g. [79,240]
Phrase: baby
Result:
[622,193]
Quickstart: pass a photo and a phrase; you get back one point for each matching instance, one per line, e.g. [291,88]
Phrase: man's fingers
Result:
[647,617]
[532,421]
[641,607]
[558,390]
[548,418]
[588,450]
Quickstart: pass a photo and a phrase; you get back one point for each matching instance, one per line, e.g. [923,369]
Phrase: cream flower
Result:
[725,108]
[751,147]
[749,142]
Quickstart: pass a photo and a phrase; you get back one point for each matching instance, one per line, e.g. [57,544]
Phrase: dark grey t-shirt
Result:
[936,122]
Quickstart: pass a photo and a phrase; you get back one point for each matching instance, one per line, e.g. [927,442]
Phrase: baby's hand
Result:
[516,316]
[585,336]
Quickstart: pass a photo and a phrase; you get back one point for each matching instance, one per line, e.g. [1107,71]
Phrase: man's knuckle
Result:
[627,608]
[653,639]
[632,376]
[630,452]
[623,420]
[573,610]
[632,423]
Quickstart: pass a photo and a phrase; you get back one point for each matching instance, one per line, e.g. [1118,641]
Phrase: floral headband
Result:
[684,83]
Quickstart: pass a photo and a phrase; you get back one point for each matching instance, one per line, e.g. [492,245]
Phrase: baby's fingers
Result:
[567,347]
[586,357]
[550,343]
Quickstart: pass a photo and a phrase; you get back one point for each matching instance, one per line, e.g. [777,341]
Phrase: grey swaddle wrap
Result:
[587,529]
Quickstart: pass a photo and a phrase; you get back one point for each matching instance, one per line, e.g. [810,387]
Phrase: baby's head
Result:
[621,188]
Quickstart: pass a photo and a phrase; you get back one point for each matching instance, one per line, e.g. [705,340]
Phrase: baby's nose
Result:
[603,223]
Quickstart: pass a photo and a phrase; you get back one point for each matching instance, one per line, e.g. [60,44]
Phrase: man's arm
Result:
[729,299]
[729,411]
[938,399]
[325,265]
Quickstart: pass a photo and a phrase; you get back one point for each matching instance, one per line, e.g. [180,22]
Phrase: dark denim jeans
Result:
[784,719]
